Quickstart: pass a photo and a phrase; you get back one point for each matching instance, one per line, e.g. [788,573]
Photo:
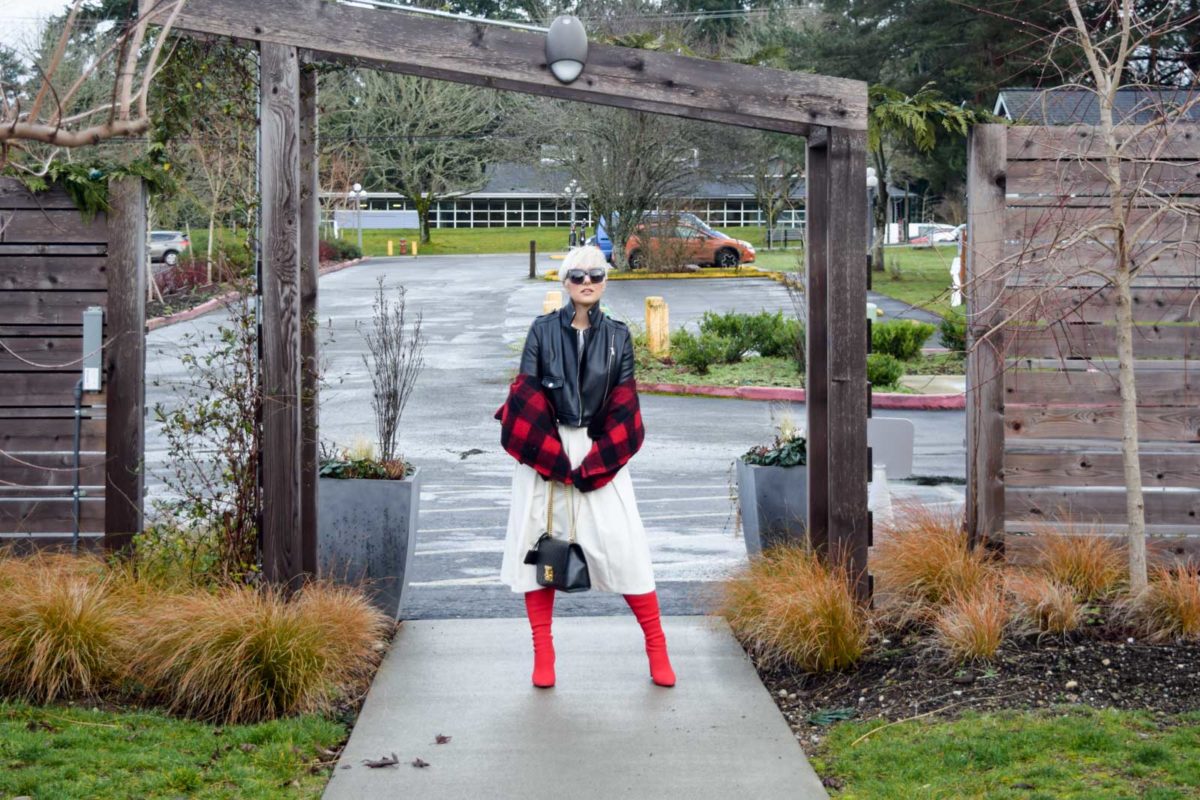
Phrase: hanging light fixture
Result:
[566,48]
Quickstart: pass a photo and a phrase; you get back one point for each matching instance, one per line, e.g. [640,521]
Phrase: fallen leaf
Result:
[246,747]
[441,739]
[417,762]
[384,761]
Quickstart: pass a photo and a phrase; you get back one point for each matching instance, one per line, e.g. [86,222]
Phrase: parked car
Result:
[686,244]
[602,240]
[937,234]
[166,246]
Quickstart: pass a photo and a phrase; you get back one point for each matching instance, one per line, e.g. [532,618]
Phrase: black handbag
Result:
[560,563]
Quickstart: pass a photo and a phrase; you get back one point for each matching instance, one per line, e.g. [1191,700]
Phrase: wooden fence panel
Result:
[1050,291]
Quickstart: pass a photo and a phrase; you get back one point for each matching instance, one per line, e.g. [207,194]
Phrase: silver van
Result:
[165,246]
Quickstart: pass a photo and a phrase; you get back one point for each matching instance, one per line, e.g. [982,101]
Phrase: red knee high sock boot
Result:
[539,605]
[645,608]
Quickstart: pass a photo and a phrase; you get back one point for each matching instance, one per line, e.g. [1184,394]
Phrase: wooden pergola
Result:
[831,113]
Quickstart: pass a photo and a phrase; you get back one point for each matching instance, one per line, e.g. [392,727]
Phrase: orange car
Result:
[685,244]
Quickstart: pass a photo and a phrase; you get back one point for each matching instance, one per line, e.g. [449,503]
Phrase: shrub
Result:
[698,352]
[971,625]
[900,338]
[789,607]
[922,561]
[1043,604]
[1169,607]
[246,654]
[765,333]
[62,628]
[953,330]
[337,250]
[1091,564]
[186,276]
[883,370]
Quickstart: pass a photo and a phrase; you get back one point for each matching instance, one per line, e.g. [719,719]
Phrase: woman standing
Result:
[572,418]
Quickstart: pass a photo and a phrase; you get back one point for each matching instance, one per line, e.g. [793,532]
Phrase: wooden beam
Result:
[846,303]
[816,294]
[500,58]
[986,162]
[309,348]
[125,363]
[279,283]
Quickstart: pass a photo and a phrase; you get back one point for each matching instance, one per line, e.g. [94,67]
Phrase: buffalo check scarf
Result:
[529,434]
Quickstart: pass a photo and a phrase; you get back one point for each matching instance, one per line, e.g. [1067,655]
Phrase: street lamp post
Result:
[357,192]
[572,191]
[872,186]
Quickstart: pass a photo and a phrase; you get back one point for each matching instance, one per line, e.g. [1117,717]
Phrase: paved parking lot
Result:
[476,312]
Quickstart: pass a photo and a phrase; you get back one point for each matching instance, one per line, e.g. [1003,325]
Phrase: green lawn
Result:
[64,752]
[1053,755]
[765,371]
[920,276]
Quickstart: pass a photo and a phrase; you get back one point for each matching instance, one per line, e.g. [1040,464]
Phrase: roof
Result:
[528,180]
[1070,105]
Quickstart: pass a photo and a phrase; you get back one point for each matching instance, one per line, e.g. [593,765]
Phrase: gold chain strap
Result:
[550,511]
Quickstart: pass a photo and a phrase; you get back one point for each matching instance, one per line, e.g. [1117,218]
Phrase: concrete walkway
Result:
[605,731]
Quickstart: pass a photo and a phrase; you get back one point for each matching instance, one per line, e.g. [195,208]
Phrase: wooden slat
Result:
[1167,548]
[1088,179]
[1180,424]
[51,469]
[310,351]
[57,249]
[279,177]
[53,273]
[1040,225]
[985,395]
[816,297]
[23,389]
[1040,468]
[45,515]
[14,194]
[1178,141]
[39,435]
[9,330]
[1099,304]
[29,353]
[27,544]
[93,411]
[58,226]
[48,308]
[1155,388]
[125,363]
[1077,264]
[1077,341]
[1163,507]
[500,58]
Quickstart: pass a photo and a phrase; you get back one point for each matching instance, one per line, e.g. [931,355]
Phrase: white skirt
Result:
[607,526]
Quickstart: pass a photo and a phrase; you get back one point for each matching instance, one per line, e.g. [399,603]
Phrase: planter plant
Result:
[773,491]
[367,496]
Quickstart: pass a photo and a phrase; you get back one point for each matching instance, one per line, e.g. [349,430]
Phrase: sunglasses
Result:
[597,275]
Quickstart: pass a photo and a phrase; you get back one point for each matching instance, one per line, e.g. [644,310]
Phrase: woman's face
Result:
[590,290]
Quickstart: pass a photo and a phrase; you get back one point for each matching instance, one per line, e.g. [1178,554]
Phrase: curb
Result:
[213,303]
[883,400]
[711,275]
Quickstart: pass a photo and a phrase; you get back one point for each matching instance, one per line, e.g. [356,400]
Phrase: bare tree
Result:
[772,167]
[57,113]
[397,356]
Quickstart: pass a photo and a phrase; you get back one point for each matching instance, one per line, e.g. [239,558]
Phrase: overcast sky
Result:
[19,20]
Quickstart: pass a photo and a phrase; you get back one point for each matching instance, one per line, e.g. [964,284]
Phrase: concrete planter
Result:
[367,533]
[773,502]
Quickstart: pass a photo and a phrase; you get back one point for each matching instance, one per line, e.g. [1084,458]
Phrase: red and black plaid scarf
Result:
[529,434]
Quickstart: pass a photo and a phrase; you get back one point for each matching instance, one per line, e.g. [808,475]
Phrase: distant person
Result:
[572,418]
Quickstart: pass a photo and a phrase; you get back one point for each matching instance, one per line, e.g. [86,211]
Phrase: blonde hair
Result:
[586,257]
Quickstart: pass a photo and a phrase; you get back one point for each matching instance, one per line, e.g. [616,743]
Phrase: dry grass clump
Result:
[1043,604]
[922,561]
[970,626]
[789,607]
[244,654]
[63,628]
[1091,564]
[1169,607]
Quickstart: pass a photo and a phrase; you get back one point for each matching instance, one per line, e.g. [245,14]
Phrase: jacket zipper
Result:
[612,355]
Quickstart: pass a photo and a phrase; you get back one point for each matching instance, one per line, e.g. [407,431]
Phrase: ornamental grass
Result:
[788,607]
[243,654]
[970,625]
[1043,605]
[1168,609]
[1091,564]
[63,628]
[922,561]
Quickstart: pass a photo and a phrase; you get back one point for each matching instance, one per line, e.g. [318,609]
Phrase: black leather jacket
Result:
[578,388]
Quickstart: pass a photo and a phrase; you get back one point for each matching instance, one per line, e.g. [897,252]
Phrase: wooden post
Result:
[309,348]
[125,363]
[279,285]
[390,248]
[846,242]
[552,302]
[986,186]
[817,357]
[532,259]
[658,333]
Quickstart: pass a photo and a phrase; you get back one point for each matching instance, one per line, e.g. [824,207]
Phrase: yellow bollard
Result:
[412,247]
[389,247]
[658,335]
[553,302]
